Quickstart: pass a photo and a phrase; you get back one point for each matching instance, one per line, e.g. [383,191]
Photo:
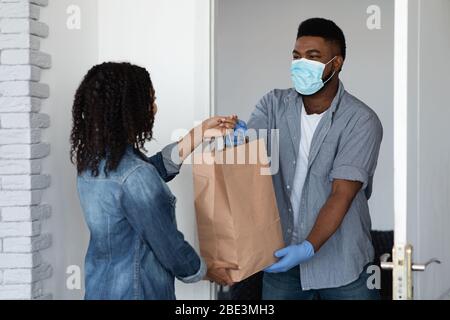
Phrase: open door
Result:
[252,54]
[421,151]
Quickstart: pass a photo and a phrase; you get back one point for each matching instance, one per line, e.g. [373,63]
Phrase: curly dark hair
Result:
[113,109]
[326,29]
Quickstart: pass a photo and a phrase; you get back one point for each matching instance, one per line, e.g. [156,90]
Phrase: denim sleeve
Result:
[146,203]
[357,155]
[167,162]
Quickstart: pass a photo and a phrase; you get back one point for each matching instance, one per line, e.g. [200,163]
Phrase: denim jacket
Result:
[135,249]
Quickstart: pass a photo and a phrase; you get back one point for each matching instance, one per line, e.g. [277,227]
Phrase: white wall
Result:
[168,37]
[73,53]
[171,39]
[253,52]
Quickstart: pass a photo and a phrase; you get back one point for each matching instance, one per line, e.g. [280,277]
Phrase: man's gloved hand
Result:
[238,136]
[291,256]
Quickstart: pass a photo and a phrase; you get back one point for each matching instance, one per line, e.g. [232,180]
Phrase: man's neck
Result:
[321,101]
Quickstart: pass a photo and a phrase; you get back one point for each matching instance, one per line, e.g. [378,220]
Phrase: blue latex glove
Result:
[291,256]
[238,136]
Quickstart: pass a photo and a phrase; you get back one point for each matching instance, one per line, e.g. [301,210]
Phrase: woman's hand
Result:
[218,272]
[218,126]
[213,127]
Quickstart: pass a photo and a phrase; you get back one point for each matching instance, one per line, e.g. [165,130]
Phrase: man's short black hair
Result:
[327,29]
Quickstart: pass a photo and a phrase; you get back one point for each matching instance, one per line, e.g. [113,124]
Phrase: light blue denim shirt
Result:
[345,146]
[135,250]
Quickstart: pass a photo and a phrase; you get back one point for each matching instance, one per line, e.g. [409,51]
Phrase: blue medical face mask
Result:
[307,76]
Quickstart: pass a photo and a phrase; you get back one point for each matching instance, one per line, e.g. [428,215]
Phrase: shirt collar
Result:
[337,98]
[336,101]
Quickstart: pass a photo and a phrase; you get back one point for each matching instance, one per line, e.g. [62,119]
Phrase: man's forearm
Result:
[333,212]
[330,218]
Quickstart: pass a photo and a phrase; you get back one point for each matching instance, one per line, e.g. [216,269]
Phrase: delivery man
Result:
[329,143]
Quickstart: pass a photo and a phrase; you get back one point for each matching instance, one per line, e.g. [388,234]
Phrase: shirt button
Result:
[290,210]
[288,187]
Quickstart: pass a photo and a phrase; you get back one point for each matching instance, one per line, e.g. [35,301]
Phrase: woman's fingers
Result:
[229,119]
[228,122]
[220,276]
[219,126]
[229,126]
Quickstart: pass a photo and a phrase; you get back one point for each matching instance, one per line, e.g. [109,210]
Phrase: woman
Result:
[135,250]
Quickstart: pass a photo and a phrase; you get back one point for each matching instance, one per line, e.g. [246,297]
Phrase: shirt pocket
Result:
[323,164]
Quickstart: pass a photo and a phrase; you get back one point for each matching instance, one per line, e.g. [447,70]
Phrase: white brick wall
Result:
[35,213]
[19,260]
[14,73]
[22,151]
[27,276]
[19,41]
[27,244]
[24,120]
[19,167]
[25,56]
[17,229]
[19,104]
[31,26]
[22,182]
[26,182]
[24,88]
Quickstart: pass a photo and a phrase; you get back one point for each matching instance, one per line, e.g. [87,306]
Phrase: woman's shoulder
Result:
[145,180]
[130,164]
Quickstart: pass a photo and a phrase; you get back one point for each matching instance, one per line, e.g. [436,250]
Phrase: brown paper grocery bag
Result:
[237,215]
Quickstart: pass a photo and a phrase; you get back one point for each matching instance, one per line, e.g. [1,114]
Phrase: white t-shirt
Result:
[309,125]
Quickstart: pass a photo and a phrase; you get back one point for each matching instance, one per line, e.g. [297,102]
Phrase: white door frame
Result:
[400,121]
[212,89]
[401,253]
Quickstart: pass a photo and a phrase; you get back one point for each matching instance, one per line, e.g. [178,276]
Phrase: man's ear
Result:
[339,63]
